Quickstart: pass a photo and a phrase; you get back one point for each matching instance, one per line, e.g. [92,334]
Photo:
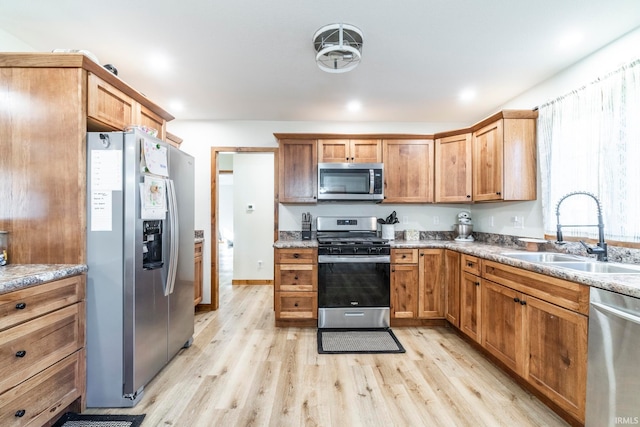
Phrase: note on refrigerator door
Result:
[153,198]
[106,170]
[153,158]
[101,211]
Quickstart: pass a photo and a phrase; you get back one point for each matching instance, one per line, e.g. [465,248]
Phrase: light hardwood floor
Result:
[243,371]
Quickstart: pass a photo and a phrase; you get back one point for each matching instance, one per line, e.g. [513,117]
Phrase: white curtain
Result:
[589,140]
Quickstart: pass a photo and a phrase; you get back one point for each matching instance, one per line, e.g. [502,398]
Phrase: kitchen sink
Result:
[542,256]
[598,267]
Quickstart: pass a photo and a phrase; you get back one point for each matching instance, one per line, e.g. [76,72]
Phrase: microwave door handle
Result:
[371,181]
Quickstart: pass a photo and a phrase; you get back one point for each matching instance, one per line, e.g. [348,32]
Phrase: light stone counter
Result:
[18,276]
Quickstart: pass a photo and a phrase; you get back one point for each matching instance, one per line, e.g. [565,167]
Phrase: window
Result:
[589,140]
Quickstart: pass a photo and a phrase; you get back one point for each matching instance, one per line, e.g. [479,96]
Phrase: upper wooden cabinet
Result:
[106,105]
[453,177]
[349,150]
[408,170]
[297,168]
[504,160]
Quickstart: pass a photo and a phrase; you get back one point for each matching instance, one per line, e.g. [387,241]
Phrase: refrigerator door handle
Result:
[174,236]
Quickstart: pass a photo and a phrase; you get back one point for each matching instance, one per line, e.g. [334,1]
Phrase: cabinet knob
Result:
[469,264]
[516,299]
[468,196]
[21,353]
[404,256]
[523,302]
[296,255]
[347,159]
[477,283]
[295,277]
[20,413]
[21,306]
[295,304]
[498,193]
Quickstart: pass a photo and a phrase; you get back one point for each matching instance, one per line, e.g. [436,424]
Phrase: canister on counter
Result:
[4,247]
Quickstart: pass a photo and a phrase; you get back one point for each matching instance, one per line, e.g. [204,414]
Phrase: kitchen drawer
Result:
[296,305]
[43,397]
[570,295]
[296,277]
[404,256]
[470,264]
[35,345]
[296,256]
[19,306]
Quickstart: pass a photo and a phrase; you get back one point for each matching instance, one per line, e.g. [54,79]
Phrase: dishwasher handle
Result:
[616,312]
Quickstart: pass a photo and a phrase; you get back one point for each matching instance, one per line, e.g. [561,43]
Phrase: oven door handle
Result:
[354,259]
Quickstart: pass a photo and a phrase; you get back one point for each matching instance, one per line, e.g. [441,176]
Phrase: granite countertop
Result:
[199,239]
[627,284]
[18,276]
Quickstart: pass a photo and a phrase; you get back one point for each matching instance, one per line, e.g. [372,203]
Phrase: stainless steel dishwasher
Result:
[613,375]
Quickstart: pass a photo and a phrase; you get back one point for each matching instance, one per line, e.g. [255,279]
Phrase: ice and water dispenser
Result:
[152,244]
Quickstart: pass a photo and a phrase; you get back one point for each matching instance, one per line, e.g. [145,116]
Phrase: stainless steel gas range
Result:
[353,274]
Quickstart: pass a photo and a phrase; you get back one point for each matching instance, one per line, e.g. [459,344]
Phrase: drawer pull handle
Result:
[20,413]
[404,256]
[295,277]
[295,304]
[296,255]
[21,306]
[21,353]
[469,264]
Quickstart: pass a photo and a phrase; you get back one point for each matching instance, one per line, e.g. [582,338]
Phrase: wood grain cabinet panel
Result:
[404,291]
[298,171]
[452,287]
[470,306]
[453,171]
[42,361]
[430,284]
[197,274]
[349,151]
[108,105]
[296,286]
[408,170]
[504,160]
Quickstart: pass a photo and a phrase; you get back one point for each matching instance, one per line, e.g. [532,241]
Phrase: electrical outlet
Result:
[491,222]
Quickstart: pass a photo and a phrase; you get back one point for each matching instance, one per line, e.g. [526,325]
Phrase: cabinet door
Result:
[146,117]
[502,331]
[430,284]
[453,169]
[487,162]
[557,354]
[333,151]
[298,174]
[108,105]
[408,171]
[365,151]
[197,274]
[470,299]
[452,287]
[404,291]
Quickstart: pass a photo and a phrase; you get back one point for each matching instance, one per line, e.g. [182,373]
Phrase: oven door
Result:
[353,291]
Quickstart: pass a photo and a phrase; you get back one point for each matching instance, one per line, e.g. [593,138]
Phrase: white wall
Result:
[9,43]
[253,216]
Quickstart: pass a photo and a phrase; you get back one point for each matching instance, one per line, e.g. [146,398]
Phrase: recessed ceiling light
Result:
[467,95]
[570,39]
[354,106]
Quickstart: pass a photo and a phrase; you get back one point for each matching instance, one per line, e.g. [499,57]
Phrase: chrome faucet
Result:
[601,249]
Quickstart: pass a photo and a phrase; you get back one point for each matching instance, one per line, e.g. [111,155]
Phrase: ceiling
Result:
[254,59]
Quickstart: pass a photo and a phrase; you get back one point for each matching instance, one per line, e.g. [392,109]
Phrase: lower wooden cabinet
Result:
[417,287]
[42,358]
[452,287]
[197,274]
[470,297]
[296,286]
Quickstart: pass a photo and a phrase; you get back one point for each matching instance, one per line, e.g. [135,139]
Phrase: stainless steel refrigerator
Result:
[140,254]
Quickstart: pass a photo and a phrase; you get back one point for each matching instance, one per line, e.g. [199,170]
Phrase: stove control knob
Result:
[355,250]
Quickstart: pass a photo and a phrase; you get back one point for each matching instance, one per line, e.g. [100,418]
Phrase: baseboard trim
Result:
[252,282]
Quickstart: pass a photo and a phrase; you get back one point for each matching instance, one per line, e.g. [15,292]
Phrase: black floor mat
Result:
[71,419]
[336,341]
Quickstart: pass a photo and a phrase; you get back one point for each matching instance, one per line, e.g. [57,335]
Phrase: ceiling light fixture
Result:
[338,47]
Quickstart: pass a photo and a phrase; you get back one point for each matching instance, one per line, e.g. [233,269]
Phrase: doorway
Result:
[246,216]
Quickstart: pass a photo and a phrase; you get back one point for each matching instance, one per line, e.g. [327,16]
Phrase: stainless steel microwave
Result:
[350,181]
